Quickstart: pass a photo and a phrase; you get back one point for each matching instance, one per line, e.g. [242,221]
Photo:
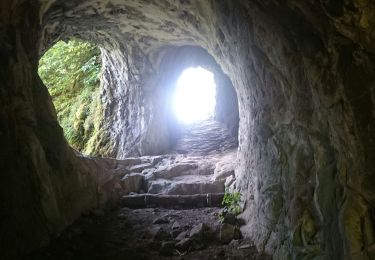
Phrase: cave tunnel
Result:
[194,97]
[285,169]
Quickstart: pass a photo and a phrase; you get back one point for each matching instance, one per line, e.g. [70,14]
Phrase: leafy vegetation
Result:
[231,203]
[71,73]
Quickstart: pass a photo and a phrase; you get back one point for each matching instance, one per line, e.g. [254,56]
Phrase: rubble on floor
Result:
[150,233]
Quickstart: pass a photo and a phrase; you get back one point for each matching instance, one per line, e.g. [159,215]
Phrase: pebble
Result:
[161,220]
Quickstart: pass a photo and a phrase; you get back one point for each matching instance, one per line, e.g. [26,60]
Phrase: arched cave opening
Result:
[303,174]
[205,110]
[194,97]
[71,72]
[173,62]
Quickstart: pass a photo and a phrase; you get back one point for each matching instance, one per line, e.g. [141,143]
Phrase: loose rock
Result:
[167,248]
[161,220]
[198,231]
[182,235]
[132,182]
[228,232]
[184,244]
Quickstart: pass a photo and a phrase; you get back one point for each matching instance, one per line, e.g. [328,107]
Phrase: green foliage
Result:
[71,73]
[231,203]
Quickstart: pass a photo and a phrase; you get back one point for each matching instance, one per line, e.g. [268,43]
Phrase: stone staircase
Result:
[172,201]
[205,137]
[194,174]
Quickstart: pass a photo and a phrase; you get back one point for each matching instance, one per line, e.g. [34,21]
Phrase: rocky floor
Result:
[202,162]
[205,137]
[169,208]
[149,233]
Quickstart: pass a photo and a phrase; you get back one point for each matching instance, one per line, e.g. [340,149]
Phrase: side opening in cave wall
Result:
[71,72]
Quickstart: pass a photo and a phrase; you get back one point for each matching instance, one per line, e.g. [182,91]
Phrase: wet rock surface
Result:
[140,234]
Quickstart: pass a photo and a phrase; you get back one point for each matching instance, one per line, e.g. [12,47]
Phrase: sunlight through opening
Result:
[195,95]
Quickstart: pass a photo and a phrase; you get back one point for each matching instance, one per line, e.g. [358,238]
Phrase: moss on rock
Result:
[71,72]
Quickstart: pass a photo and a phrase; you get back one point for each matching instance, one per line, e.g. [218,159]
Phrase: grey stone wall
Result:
[304,76]
[136,98]
[131,124]
[43,186]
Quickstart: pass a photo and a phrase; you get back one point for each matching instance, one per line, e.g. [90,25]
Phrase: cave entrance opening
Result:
[205,108]
[71,72]
[194,98]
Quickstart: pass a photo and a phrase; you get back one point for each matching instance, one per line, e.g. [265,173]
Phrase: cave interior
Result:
[291,144]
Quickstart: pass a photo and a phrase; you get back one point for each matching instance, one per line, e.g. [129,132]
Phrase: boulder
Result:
[173,170]
[161,220]
[140,167]
[167,248]
[199,231]
[245,246]
[195,185]
[228,232]
[176,225]
[181,236]
[184,244]
[159,233]
[132,182]
[230,218]
[225,167]
[222,174]
[229,180]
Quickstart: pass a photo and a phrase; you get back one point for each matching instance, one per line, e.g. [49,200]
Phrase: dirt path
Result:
[147,234]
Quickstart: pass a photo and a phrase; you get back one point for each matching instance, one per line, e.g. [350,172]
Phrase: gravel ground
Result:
[145,234]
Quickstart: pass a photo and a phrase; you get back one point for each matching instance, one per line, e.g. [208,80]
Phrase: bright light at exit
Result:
[195,95]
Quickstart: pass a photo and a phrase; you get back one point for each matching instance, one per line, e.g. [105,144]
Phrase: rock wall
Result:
[136,99]
[43,187]
[303,127]
[304,163]
[226,109]
[304,77]
[128,106]
[170,62]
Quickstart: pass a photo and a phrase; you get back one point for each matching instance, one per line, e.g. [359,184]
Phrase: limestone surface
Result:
[303,73]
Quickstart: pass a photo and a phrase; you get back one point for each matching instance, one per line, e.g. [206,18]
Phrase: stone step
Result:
[140,167]
[186,185]
[179,169]
[172,201]
[206,136]
[171,171]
